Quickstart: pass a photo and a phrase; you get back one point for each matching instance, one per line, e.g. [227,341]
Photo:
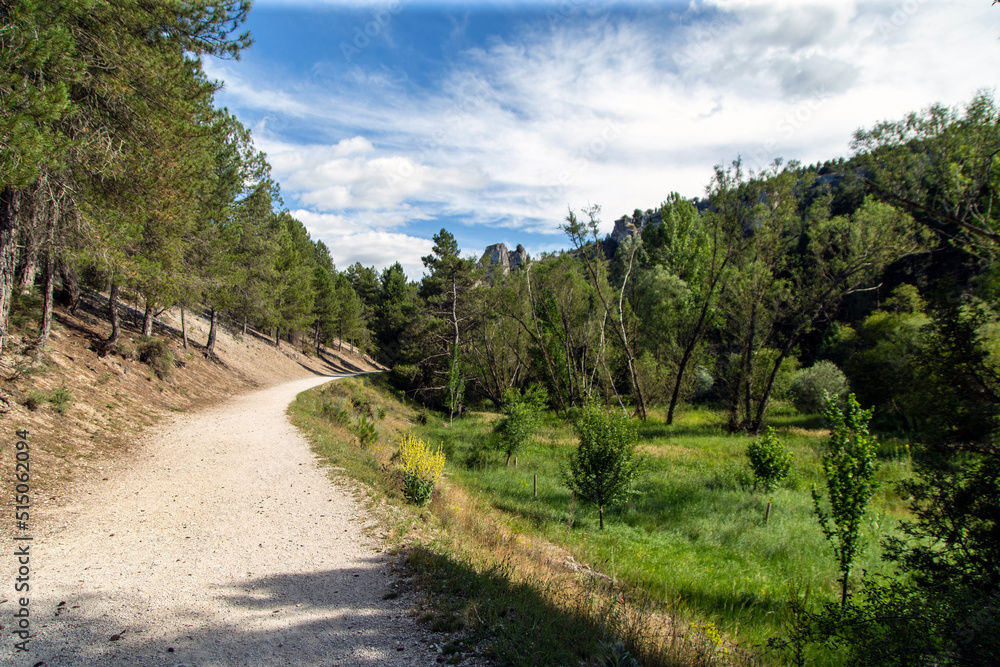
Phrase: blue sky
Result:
[386,121]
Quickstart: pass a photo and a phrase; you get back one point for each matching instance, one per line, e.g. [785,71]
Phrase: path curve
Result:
[222,544]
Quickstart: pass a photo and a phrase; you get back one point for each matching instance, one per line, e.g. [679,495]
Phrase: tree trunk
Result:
[116,329]
[843,589]
[184,331]
[688,351]
[318,352]
[9,201]
[147,319]
[213,332]
[70,286]
[50,280]
[600,514]
[244,325]
[277,337]
[29,269]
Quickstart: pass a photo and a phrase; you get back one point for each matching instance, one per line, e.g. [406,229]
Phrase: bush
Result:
[810,386]
[337,410]
[421,469]
[603,470]
[522,416]
[60,398]
[366,431]
[155,353]
[769,461]
[35,399]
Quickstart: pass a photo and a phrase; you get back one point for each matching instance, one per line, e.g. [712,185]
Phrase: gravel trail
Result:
[222,544]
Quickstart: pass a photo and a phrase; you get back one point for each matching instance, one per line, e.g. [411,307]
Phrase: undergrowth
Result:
[504,593]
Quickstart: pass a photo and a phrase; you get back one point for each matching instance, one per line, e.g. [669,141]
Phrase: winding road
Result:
[222,544]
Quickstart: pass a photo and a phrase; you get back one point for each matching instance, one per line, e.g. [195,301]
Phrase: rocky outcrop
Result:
[633,226]
[498,258]
[518,258]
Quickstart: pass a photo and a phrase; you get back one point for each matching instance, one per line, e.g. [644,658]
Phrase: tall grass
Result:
[687,572]
[515,598]
[695,536]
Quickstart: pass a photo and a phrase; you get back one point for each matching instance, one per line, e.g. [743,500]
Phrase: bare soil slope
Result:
[112,398]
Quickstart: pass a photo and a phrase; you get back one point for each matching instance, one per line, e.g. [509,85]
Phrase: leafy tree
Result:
[604,469]
[940,166]
[769,461]
[583,236]
[691,255]
[812,385]
[849,465]
[885,365]
[497,355]
[522,417]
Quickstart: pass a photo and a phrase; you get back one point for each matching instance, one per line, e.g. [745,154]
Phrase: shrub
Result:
[811,385]
[34,400]
[337,410]
[60,398]
[849,465]
[366,431]
[522,416]
[604,468]
[155,353]
[769,461]
[422,467]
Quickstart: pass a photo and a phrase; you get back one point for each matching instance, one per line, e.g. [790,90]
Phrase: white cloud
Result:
[379,249]
[611,112]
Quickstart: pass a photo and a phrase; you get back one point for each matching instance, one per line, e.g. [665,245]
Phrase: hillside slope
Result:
[83,410]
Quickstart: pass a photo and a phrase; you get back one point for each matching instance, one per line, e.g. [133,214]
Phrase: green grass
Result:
[475,571]
[694,535]
[692,542]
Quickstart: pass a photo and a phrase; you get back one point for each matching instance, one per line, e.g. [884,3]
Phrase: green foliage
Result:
[849,464]
[365,430]
[769,461]
[522,417]
[60,397]
[156,353]
[810,386]
[885,367]
[604,469]
[337,409]
[614,654]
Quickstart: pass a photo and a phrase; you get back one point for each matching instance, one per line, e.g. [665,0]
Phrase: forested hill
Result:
[119,174]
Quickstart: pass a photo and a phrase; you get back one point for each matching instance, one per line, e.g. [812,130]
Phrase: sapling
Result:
[769,461]
[604,468]
[849,465]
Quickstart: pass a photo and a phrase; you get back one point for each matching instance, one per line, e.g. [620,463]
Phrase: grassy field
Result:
[691,547]
[694,536]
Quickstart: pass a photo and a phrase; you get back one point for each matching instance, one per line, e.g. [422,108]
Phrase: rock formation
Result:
[498,258]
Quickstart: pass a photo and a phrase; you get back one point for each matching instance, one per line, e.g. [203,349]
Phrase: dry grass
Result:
[516,599]
[79,441]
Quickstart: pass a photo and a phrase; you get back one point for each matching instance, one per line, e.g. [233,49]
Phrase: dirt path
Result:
[222,543]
